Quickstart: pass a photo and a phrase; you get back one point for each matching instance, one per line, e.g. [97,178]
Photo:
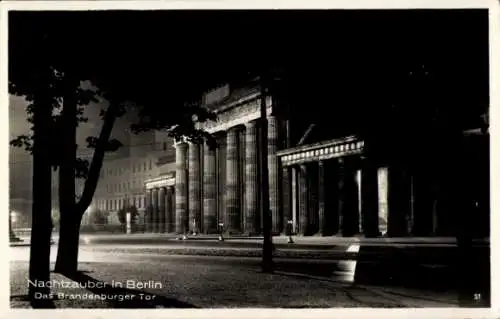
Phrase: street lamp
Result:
[267,247]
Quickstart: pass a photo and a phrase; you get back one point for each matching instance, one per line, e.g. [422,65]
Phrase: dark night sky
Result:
[188,49]
[343,53]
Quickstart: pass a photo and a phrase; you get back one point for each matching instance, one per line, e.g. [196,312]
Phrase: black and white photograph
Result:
[249,158]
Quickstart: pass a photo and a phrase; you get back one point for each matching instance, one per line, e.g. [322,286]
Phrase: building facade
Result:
[122,178]
[323,188]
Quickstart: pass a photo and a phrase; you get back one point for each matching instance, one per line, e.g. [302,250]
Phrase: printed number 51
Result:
[477,297]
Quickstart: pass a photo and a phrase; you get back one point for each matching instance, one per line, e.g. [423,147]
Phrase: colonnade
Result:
[219,187]
[343,194]
[352,195]
[161,209]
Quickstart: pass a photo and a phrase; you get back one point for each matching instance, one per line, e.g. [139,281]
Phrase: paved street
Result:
[203,275]
[196,281]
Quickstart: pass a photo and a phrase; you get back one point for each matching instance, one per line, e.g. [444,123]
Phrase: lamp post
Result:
[267,247]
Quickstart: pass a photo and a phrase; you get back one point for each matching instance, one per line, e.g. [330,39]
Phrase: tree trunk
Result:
[69,237]
[67,254]
[39,264]
[71,212]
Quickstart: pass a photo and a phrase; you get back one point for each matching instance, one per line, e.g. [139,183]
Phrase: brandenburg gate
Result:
[326,188]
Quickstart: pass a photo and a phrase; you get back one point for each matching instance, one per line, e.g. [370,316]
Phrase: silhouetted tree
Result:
[119,86]
[37,81]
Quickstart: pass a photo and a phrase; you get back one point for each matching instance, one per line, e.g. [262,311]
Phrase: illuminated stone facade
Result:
[325,188]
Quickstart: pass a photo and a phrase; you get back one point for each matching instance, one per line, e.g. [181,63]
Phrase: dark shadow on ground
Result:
[137,298]
[437,269]
[42,303]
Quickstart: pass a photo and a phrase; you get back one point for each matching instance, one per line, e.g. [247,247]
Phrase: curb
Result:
[424,257]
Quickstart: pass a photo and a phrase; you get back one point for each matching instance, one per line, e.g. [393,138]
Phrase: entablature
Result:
[350,145]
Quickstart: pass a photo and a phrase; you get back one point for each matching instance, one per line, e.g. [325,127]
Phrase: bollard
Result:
[290,226]
[221,230]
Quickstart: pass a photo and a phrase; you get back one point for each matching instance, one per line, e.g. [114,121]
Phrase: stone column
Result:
[209,191]
[148,210]
[181,190]
[331,198]
[423,204]
[220,158]
[242,176]
[369,198]
[295,198]
[273,166]
[287,196]
[194,189]
[169,209]
[233,210]
[154,205]
[348,199]
[321,199]
[398,201]
[252,220]
[303,201]
[313,198]
[161,210]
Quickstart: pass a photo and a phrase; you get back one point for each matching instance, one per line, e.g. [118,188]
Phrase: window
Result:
[119,187]
[133,168]
[150,164]
[145,166]
[164,146]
